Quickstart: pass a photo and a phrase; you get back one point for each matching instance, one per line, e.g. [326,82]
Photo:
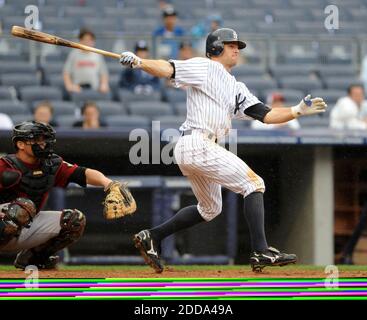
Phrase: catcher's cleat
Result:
[148,249]
[27,257]
[270,257]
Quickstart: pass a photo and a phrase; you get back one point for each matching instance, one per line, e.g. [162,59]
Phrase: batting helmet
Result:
[216,40]
[30,130]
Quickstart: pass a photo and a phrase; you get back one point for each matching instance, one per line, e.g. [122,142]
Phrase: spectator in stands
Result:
[91,117]
[186,51]
[5,122]
[135,79]
[43,112]
[85,70]
[349,111]
[201,30]
[276,100]
[169,46]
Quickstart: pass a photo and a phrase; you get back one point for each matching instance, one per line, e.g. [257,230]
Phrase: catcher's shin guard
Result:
[43,256]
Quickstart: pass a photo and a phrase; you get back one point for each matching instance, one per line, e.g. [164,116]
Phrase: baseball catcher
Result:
[26,178]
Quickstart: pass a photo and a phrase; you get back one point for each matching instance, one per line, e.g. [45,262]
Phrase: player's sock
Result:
[254,213]
[183,219]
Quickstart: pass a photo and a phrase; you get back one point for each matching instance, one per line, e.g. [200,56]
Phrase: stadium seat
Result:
[258,84]
[53,67]
[327,71]
[33,93]
[150,108]
[127,121]
[80,12]
[181,108]
[59,25]
[60,107]
[16,67]
[246,70]
[279,71]
[127,96]
[274,28]
[142,26]
[18,118]
[329,95]
[110,108]
[341,83]
[18,80]
[314,122]
[291,96]
[7,93]
[66,121]
[55,80]
[301,83]
[11,107]
[290,15]
[89,95]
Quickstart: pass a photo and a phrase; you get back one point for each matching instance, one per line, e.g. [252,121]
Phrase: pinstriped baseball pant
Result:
[208,166]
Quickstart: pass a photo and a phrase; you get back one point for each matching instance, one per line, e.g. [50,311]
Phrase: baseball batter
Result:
[214,98]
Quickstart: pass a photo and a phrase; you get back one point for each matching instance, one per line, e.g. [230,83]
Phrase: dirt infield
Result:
[187,272]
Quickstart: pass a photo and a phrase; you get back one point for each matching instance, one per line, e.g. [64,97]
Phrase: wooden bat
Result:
[55,40]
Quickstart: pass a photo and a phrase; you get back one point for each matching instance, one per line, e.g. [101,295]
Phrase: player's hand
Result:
[309,107]
[129,59]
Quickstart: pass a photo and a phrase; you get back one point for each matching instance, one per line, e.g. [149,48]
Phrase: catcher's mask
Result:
[31,131]
[216,40]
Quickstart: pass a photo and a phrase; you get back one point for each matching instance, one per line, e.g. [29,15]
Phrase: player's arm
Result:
[306,107]
[96,178]
[157,68]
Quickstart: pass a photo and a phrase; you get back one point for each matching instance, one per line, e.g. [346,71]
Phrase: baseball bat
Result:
[55,40]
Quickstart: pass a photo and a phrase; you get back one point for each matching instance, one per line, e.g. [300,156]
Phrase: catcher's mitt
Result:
[119,201]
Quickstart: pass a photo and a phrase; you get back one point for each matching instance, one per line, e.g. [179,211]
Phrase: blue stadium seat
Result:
[327,71]
[7,93]
[60,107]
[53,67]
[18,118]
[279,71]
[60,25]
[291,15]
[291,96]
[175,95]
[301,83]
[110,108]
[89,95]
[55,80]
[145,26]
[274,28]
[16,67]
[341,83]
[127,96]
[329,95]
[247,70]
[181,108]
[66,121]
[150,108]
[314,122]
[33,93]
[11,107]
[258,84]
[80,12]
[18,80]
[127,121]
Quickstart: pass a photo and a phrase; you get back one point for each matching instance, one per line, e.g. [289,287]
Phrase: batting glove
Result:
[309,107]
[129,59]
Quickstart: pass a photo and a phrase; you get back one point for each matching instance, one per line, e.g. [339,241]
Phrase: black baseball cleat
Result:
[149,249]
[27,258]
[270,257]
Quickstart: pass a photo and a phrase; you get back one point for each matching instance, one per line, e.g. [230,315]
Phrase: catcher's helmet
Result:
[30,130]
[216,40]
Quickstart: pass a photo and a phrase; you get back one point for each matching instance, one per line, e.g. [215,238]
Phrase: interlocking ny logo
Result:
[239,102]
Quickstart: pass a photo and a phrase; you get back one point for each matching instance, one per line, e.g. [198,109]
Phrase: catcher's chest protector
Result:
[34,183]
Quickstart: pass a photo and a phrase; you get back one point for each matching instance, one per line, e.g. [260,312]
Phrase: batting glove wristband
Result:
[309,107]
[129,59]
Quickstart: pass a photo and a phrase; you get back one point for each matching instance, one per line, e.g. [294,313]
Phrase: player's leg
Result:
[50,232]
[226,169]
[209,206]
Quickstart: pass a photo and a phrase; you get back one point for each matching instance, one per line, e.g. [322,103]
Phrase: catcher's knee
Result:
[72,222]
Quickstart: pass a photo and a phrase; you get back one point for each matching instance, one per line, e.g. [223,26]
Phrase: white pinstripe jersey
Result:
[214,96]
